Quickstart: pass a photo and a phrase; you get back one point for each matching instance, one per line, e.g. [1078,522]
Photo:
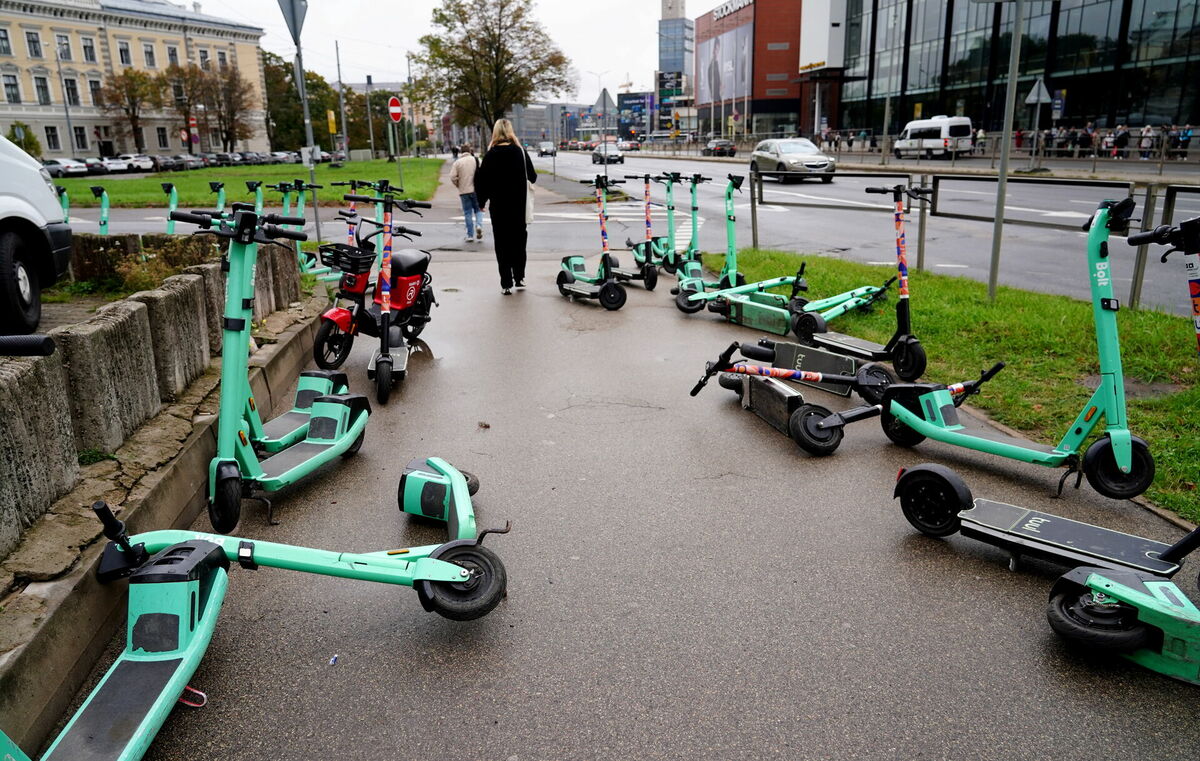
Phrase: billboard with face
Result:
[723,65]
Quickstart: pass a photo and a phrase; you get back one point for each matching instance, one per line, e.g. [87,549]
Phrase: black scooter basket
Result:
[340,256]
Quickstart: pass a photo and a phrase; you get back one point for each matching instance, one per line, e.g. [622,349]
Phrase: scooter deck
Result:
[771,399]
[1051,537]
[794,356]
[582,290]
[849,344]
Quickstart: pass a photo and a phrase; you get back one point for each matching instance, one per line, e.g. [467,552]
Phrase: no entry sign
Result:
[395,110]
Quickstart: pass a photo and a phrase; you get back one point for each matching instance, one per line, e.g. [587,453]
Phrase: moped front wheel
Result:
[332,345]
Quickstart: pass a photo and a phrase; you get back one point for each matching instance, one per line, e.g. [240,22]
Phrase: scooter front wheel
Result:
[649,276]
[225,509]
[332,345]
[909,360]
[686,305]
[467,600]
[563,280]
[383,380]
[669,265]
[931,502]
[804,431]
[357,445]
[733,382]
[1102,623]
[899,433]
[612,296]
[873,378]
[1100,467]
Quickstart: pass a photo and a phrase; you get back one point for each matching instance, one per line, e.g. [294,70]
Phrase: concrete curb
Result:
[76,616]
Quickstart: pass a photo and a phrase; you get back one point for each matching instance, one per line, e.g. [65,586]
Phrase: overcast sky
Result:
[620,37]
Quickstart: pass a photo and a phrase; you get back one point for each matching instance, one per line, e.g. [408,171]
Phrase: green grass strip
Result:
[420,182]
[1048,343]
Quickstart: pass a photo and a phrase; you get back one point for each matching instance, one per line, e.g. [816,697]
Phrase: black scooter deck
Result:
[793,356]
[859,347]
[772,400]
[1051,537]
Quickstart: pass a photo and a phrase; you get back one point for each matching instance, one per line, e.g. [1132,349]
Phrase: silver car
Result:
[797,156]
[607,153]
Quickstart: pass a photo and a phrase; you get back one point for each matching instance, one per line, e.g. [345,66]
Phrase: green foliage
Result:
[485,56]
[285,114]
[93,456]
[420,182]
[27,141]
[1048,343]
[129,94]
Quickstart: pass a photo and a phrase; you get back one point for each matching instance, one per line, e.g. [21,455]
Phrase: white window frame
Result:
[53,139]
[164,139]
[77,100]
[124,53]
[149,55]
[7,42]
[32,38]
[63,42]
[88,46]
[17,82]
[80,131]
[172,55]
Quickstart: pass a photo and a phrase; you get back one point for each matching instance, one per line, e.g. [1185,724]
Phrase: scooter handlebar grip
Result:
[113,527]
[357,198]
[419,204]
[26,346]
[760,353]
[1160,234]
[279,219]
[989,374]
[880,191]
[402,230]
[271,231]
[204,220]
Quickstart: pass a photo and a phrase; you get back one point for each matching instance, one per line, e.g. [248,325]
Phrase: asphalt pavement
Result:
[684,582]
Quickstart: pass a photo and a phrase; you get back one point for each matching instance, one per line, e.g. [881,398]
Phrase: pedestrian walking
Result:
[1146,143]
[981,140]
[1185,140]
[462,176]
[454,152]
[1121,141]
[503,184]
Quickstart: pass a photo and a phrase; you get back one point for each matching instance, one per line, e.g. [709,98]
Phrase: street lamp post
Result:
[66,105]
[603,119]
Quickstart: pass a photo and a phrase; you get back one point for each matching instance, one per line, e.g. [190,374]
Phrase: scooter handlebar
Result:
[1159,235]
[712,368]
[204,220]
[880,191]
[757,352]
[418,204]
[279,219]
[114,528]
[989,374]
[402,230]
[358,198]
[26,346]
[271,231]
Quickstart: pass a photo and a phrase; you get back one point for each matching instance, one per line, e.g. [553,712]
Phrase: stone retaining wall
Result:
[178,330]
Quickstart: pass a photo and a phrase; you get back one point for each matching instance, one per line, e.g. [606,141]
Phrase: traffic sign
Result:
[293,13]
[1038,95]
[395,110]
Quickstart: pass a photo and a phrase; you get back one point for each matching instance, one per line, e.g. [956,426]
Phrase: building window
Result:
[776,91]
[42,87]
[123,54]
[89,49]
[148,51]
[222,61]
[778,45]
[172,55]
[33,41]
[162,137]
[71,89]
[63,44]
[81,138]
[204,59]
[5,43]
[177,91]
[52,143]
[12,92]
[94,89]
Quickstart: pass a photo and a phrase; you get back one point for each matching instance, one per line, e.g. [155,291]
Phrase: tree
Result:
[130,93]
[184,88]
[285,115]
[22,135]
[487,56]
[229,103]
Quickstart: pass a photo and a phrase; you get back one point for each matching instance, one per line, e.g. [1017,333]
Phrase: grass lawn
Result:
[1048,343]
[420,182]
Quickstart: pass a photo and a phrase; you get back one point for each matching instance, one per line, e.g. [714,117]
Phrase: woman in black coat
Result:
[501,186]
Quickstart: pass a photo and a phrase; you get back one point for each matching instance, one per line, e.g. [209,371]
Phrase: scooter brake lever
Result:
[1168,252]
[486,531]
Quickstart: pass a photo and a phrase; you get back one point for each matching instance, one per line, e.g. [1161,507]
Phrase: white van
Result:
[35,240]
[939,136]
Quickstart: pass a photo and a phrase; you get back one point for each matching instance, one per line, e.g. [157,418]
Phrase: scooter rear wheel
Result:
[686,305]
[1102,624]
[564,279]
[897,431]
[669,265]
[225,509]
[383,380]
[332,345]
[612,296]
[472,482]
[869,375]
[806,325]
[357,445]
[470,599]
[649,276]
[1100,467]
[931,503]
[803,428]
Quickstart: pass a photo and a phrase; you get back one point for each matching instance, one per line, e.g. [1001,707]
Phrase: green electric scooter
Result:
[178,581]
[219,189]
[256,187]
[64,201]
[99,192]
[1117,465]
[674,259]
[653,249]
[574,282]
[323,424]
[689,270]
[172,205]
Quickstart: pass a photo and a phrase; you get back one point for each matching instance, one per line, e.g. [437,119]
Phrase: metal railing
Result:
[938,179]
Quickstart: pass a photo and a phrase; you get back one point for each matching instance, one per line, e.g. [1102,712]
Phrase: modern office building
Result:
[633,114]
[541,120]
[56,53]
[676,38]
[745,68]
[1107,61]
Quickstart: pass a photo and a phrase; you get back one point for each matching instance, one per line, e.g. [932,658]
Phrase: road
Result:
[684,582]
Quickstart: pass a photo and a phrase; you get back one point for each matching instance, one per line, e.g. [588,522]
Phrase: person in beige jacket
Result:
[462,174]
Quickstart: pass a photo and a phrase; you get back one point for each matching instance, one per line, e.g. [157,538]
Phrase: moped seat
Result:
[409,261]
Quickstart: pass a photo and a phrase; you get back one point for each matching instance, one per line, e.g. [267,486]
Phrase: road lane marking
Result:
[953,266]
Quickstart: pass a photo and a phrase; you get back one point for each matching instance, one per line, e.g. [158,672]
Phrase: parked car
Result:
[547,149]
[249,157]
[227,159]
[210,159]
[115,164]
[794,155]
[607,153]
[189,161]
[138,162]
[940,136]
[166,164]
[632,145]
[719,148]
[94,164]
[65,167]
[35,240]
[573,145]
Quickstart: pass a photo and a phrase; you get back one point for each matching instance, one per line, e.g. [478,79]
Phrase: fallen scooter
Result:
[178,581]
[690,271]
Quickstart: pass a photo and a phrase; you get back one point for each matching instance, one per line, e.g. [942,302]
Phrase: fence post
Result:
[759,185]
[1139,265]
[1162,152]
[754,210]
[924,215]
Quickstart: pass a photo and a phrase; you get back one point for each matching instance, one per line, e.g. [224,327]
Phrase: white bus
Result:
[940,136]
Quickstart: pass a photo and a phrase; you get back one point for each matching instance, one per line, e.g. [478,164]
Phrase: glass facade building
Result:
[1119,61]
[676,44]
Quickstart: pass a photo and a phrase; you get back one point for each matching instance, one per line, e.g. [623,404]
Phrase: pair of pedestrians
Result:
[504,179]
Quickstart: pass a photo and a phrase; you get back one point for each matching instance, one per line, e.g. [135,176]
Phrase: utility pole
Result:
[1010,105]
[342,100]
[293,13]
[411,128]
[66,106]
[370,121]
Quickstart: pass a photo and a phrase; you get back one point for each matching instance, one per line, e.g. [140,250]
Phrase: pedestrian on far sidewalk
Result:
[1185,141]
[503,183]
[462,175]
[454,152]
[1146,143]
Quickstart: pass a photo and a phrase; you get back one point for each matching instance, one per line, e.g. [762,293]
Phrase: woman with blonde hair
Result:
[501,184]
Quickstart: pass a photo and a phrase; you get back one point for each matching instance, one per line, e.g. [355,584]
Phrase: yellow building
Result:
[55,55]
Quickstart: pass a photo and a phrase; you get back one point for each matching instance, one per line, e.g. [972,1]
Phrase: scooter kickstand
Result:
[1072,467]
[486,531]
[270,508]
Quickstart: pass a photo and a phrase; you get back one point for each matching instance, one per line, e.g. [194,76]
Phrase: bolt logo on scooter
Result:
[574,282]
[1117,465]
[323,424]
[178,581]
[403,297]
